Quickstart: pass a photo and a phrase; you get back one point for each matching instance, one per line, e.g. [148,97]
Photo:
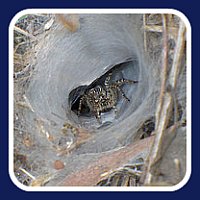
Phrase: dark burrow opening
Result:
[108,93]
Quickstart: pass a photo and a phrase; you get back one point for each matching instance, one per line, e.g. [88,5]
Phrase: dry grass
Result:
[167,94]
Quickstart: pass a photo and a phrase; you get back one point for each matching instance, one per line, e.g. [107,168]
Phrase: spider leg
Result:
[123,81]
[80,105]
[115,109]
[122,93]
[107,80]
[98,116]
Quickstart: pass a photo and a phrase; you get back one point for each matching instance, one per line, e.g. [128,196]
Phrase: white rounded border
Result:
[101,11]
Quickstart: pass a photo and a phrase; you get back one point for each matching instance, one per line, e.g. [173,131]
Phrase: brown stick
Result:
[109,161]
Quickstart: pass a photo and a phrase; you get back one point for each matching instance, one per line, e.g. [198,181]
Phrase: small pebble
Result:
[58,164]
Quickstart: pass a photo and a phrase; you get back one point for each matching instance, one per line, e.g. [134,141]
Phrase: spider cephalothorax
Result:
[102,98]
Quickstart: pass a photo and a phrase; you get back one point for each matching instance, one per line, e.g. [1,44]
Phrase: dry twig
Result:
[19,30]
[165,99]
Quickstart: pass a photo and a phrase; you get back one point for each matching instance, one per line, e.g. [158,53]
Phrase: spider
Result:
[102,98]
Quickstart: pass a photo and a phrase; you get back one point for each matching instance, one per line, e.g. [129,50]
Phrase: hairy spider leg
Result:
[115,109]
[107,80]
[123,81]
[98,116]
[122,93]
[80,105]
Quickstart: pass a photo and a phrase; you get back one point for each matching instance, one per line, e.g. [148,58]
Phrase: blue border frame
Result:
[10,8]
